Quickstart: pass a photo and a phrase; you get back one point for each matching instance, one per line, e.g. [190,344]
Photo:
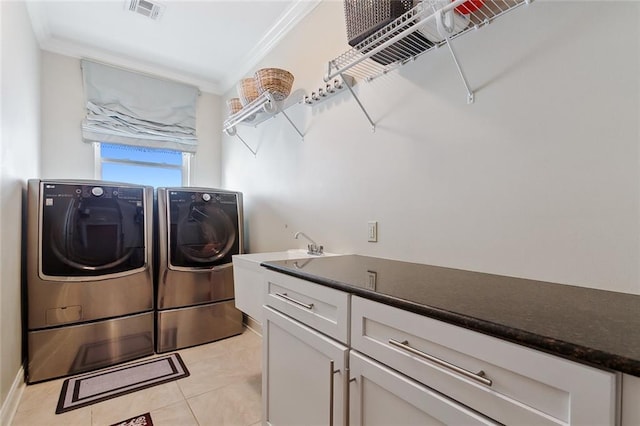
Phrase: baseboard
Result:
[252,324]
[10,404]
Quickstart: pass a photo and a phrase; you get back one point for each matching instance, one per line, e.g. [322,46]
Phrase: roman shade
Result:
[128,108]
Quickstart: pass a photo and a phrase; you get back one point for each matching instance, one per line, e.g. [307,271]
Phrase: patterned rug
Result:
[141,420]
[99,386]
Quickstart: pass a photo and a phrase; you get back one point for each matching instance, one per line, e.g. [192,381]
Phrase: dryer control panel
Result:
[51,191]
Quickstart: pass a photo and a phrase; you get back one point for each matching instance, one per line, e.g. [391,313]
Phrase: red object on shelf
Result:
[469,6]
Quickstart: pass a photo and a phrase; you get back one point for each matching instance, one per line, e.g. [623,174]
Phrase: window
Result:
[141,165]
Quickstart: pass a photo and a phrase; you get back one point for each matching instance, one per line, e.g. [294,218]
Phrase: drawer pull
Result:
[478,377]
[332,372]
[292,300]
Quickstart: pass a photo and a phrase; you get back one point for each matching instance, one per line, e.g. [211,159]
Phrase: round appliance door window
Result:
[204,235]
[88,235]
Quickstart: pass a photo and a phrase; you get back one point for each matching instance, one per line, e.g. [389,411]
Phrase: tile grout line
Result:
[186,400]
[192,413]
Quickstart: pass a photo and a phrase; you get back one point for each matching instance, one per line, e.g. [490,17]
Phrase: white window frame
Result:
[187,159]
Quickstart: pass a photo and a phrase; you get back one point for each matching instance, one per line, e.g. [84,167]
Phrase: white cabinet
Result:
[304,379]
[335,358]
[380,396]
[507,382]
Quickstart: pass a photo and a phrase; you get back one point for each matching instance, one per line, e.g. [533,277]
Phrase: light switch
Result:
[373,231]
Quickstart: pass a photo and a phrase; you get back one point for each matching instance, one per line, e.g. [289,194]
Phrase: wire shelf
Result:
[257,111]
[390,47]
[254,113]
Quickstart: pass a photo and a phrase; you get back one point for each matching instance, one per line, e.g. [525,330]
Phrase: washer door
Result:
[88,235]
[203,233]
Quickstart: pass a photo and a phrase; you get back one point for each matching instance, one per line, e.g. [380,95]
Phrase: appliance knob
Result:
[206,197]
[97,191]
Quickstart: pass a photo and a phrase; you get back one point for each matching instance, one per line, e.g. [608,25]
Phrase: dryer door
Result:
[91,230]
[204,229]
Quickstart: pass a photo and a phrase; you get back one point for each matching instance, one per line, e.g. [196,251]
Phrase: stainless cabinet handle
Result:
[332,372]
[331,393]
[292,300]
[478,377]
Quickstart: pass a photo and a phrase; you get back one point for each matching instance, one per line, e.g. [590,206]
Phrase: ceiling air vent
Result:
[152,10]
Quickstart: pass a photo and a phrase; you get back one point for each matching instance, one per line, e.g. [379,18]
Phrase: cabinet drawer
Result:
[322,308]
[507,382]
[379,396]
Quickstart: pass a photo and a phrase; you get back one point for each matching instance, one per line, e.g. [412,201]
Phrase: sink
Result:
[301,253]
[248,279]
[258,258]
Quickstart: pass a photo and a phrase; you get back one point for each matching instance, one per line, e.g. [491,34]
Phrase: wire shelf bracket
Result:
[389,48]
[233,132]
[364,111]
[470,94]
[257,111]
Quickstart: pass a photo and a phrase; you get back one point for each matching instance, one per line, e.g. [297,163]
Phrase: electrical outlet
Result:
[372,278]
[372,235]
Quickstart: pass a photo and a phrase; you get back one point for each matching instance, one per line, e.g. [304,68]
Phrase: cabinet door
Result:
[381,396]
[304,374]
[630,397]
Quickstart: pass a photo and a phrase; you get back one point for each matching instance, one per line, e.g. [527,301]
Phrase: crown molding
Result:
[287,21]
[38,21]
[78,50]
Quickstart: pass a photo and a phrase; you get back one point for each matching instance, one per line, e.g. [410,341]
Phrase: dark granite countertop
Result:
[595,327]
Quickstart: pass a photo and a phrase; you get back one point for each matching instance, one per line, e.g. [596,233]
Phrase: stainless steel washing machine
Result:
[199,230]
[89,276]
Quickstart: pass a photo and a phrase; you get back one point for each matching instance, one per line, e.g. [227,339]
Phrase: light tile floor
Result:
[224,388]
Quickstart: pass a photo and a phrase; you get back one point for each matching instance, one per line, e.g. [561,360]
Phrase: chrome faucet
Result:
[312,248]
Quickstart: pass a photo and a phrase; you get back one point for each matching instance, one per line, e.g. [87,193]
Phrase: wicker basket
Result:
[247,90]
[363,18]
[234,105]
[276,81]
[366,17]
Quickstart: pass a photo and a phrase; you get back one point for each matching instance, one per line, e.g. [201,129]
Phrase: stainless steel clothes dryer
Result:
[199,229]
[89,276]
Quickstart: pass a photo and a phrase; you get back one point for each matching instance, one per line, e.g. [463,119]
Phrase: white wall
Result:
[64,154]
[539,178]
[63,110]
[207,162]
[19,160]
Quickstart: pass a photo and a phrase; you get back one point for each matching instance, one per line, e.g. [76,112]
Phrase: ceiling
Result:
[208,43]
